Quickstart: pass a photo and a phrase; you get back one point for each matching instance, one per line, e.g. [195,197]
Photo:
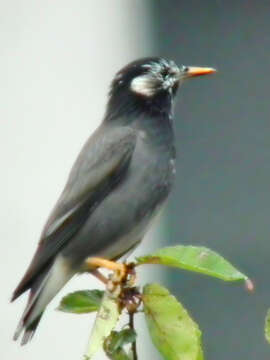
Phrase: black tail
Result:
[43,288]
[29,327]
[29,331]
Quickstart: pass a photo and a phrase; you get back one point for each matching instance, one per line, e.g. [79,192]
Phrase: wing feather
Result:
[100,166]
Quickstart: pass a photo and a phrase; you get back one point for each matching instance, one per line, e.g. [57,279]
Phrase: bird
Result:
[117,185]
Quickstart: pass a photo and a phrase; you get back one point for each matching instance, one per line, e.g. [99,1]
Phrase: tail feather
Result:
[21,288]
[27,336]
[28,332]
[43,290]
[30,280]
[35,291]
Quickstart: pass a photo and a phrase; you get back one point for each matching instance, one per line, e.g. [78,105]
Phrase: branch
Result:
[133,344]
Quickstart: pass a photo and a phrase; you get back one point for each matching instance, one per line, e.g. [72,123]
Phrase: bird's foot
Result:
[123,276]
[96,262]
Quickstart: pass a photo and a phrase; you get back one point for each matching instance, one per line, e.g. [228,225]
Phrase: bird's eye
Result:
[164,73]
[184,69]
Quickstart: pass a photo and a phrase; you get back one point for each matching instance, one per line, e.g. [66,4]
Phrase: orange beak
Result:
[193,71]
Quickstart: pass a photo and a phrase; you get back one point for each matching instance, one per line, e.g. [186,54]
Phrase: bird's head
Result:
[152,82]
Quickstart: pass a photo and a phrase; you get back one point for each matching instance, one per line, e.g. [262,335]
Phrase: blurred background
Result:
[57,60]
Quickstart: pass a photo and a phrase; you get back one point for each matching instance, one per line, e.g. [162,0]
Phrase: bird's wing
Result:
[101,165]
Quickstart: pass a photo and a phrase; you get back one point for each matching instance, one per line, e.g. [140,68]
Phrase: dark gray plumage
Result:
[120,180]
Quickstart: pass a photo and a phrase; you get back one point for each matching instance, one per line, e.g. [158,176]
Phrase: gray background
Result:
[222,198]
[57,59]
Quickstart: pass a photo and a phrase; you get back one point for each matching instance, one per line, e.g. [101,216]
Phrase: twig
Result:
[133,345]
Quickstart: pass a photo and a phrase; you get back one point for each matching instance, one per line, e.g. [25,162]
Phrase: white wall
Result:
[57,59]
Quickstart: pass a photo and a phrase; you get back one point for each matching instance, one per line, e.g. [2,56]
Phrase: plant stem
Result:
[133,345]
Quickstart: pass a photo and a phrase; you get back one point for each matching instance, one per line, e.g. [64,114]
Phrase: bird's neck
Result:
[154,118]
[127,106]
[159,129]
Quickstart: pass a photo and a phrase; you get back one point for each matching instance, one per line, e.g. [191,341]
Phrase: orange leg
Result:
[96,262]
[107,264]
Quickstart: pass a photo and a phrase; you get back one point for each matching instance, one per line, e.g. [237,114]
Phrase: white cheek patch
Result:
[144,85]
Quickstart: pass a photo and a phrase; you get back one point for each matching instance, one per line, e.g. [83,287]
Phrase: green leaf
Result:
[173,332]
[267,326]
[197,259]
[119,354]
[118,339]
[81,302]
[105,322]
[113,345]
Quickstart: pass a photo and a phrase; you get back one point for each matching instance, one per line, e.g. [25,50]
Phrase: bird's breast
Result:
[121,219]
[152,169]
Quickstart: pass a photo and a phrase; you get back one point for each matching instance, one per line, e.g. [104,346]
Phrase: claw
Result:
[122,279]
